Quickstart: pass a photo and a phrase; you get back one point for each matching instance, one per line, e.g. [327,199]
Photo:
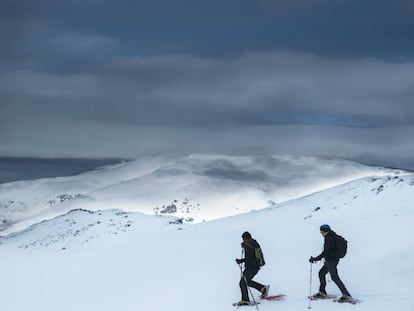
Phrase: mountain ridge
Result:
[213,185]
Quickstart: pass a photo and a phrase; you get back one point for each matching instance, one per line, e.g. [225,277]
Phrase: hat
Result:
[246,235]
[325,228]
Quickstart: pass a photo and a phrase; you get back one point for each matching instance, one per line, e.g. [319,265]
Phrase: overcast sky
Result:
[95,78]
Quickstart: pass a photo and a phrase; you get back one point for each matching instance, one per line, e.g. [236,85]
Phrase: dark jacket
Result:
[249,255]
[329,248]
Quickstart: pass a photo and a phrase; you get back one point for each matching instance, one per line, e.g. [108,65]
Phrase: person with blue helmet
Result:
[331,256]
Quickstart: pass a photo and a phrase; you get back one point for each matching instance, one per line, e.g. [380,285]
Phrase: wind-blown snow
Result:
[194,187]
[111,260]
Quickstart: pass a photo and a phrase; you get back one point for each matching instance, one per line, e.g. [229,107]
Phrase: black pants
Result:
[330,266]
[249,274]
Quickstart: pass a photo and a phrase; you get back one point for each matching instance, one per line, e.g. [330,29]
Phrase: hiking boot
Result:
[265,291]
[243,303]
[319,295]
[345,298]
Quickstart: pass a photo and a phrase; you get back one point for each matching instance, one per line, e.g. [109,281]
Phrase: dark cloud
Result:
[122,78]
[254,89]
[76,35]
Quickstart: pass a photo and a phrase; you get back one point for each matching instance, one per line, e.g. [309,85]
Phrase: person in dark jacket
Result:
[250,269]
[331,261]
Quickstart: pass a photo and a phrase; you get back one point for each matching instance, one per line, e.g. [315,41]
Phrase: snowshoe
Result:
[243,303]
[320,295]
[273,297]
[348,299]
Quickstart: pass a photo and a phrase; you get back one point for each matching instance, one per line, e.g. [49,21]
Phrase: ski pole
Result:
[240,265]
[249,289]
[310,287]
[247,285]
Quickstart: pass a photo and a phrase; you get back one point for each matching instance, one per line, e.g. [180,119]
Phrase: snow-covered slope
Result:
[111,260]
[194,187]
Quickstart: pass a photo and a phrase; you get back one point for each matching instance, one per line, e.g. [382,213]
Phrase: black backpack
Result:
[341,246]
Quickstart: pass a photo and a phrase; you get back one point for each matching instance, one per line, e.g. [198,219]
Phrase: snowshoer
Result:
[251,267]
[330,253]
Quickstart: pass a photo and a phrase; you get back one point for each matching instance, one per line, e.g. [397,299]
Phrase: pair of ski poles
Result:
[251,294]
[247,285]
[310,286]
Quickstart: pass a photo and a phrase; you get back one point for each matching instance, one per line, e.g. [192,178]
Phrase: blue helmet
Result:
[325,228]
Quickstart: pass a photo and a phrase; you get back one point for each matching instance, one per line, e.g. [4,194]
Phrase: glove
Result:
[312,259]
[239,261]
